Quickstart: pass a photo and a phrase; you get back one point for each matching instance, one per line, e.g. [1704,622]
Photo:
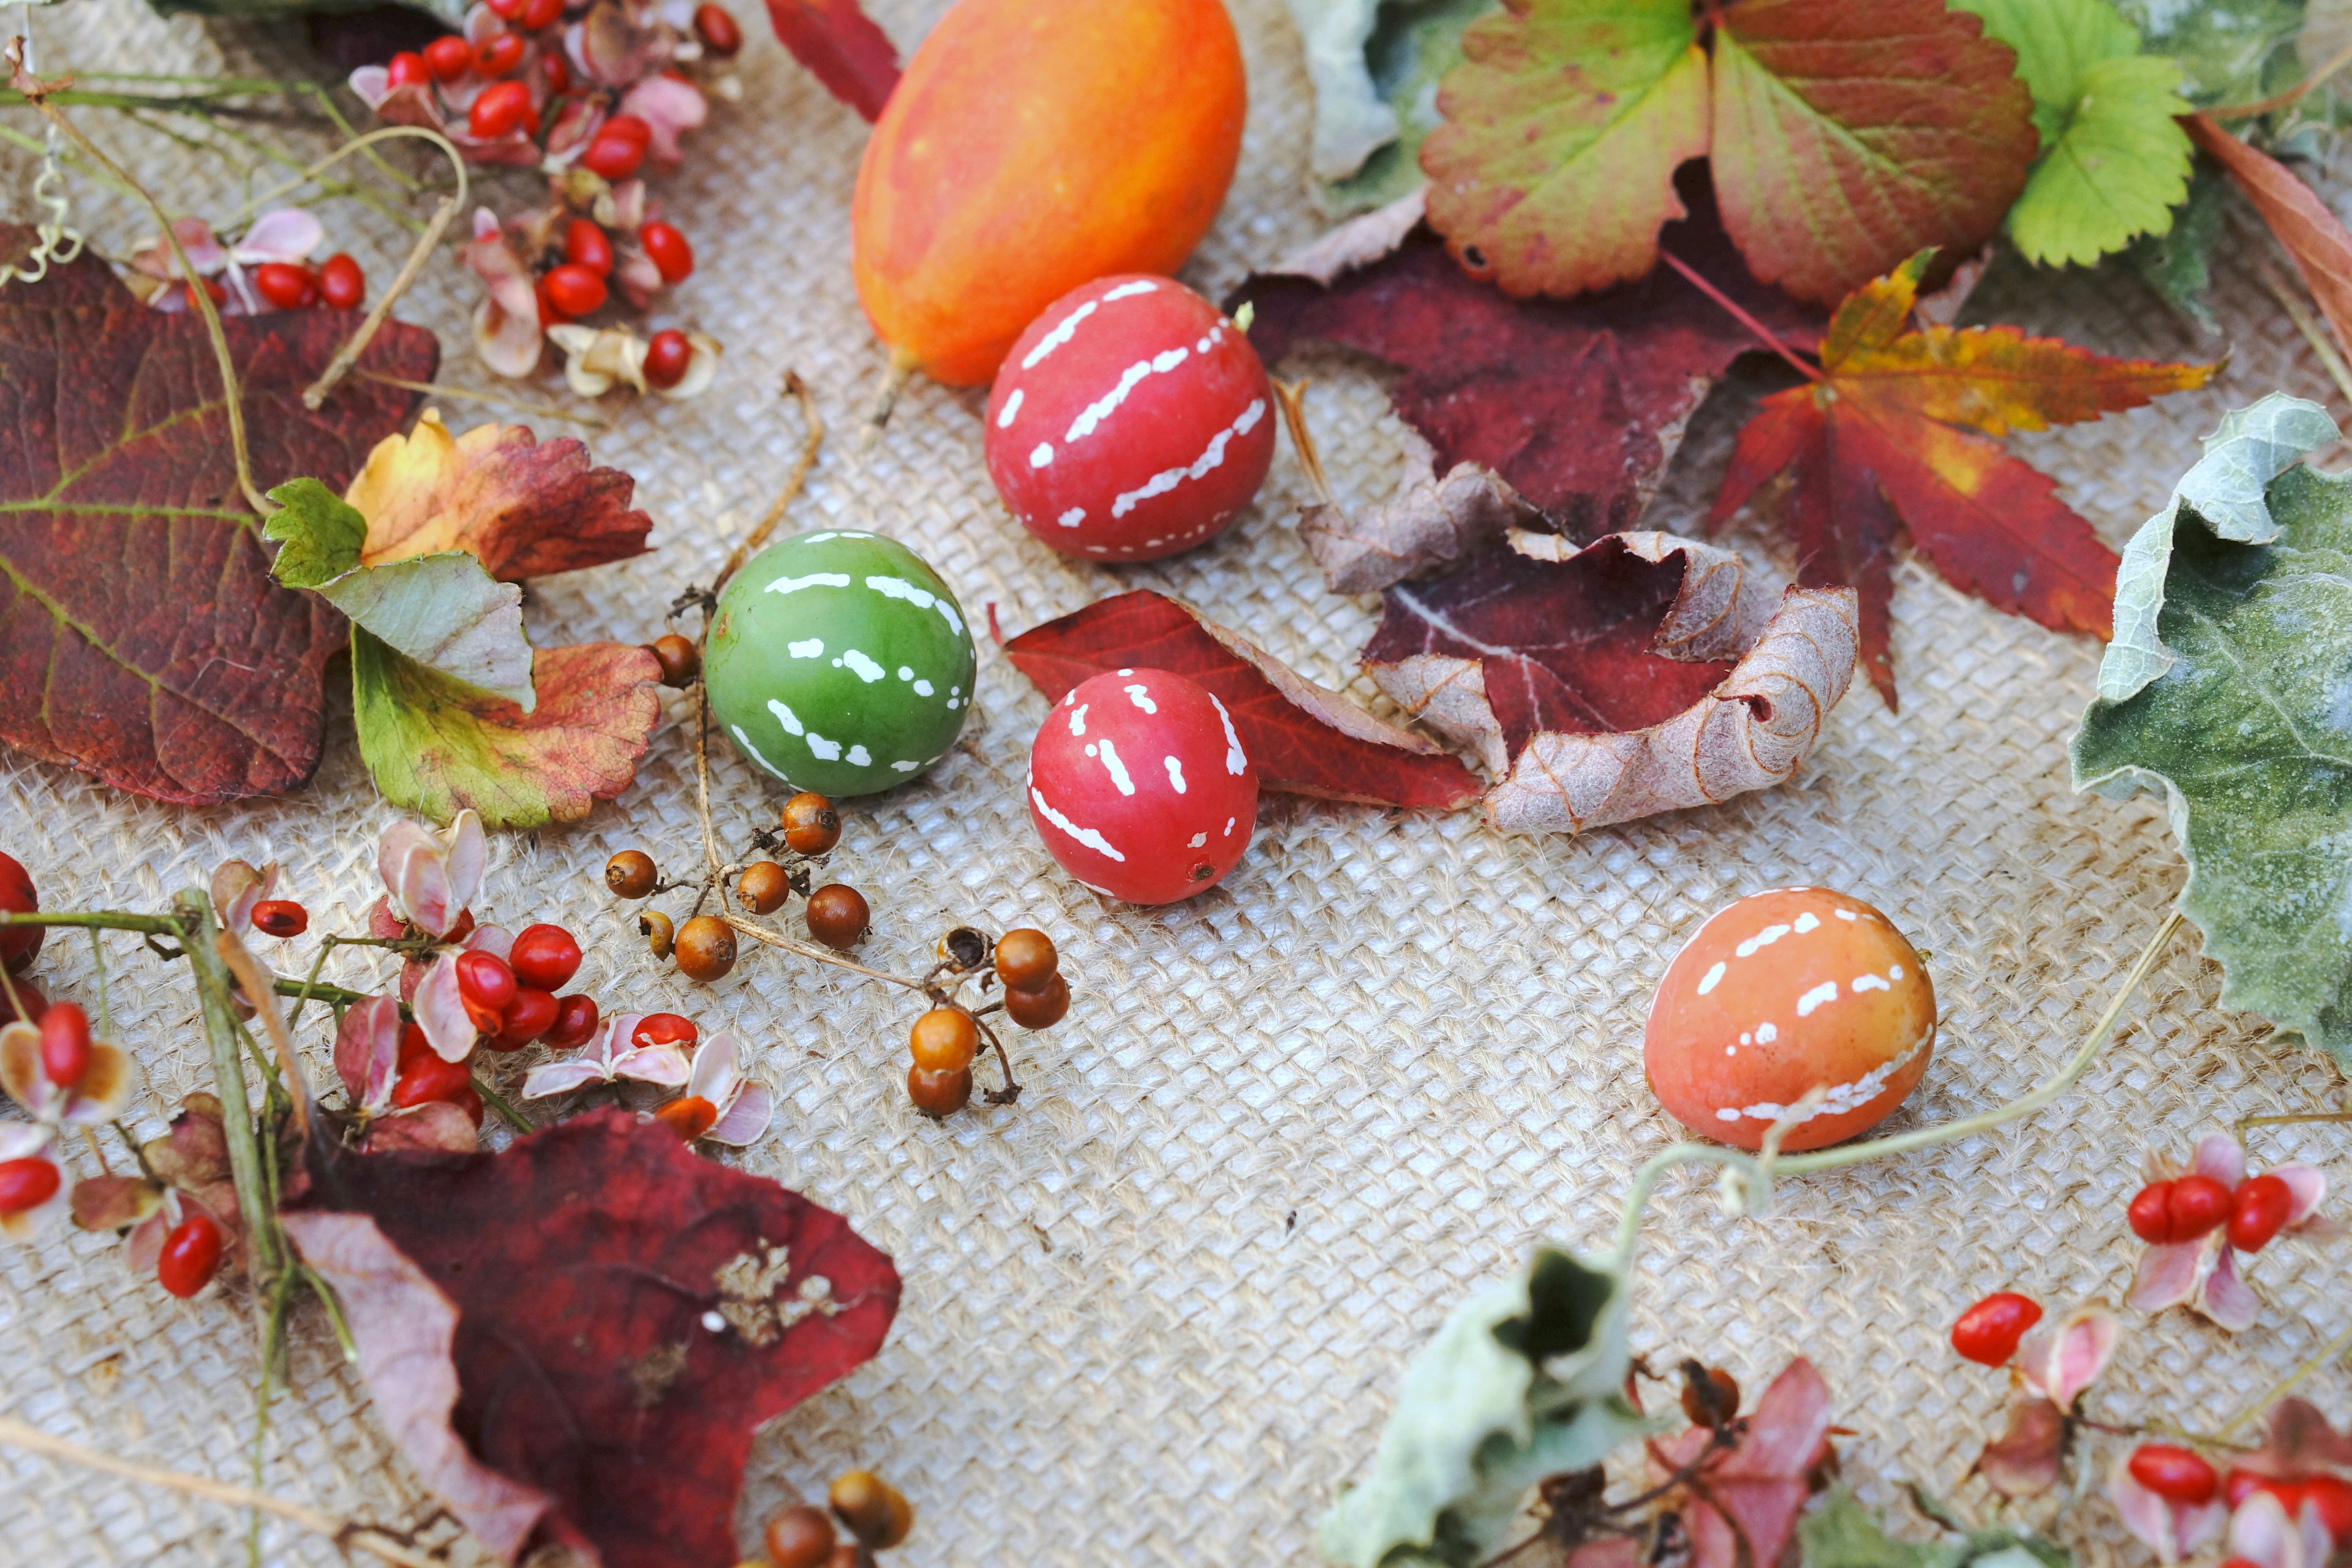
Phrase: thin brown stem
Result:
[777,939]
[1291,397]
[796,389]
[1739,313]
[501,399]
[902,365]
[345,1533]
[346,356]
[261,995]
[703,777]
[1012,1089]
[2303,1120]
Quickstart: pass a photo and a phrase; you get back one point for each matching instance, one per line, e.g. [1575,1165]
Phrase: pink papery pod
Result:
[282,233]
[114,1202]
[672,107]
[144,1245]
[2061,1360]
[623,208]
[496,940]
[436,1125]
[2025,1460]
[2300,1443]
[432,878]
[2224,1299]
[2173,1531]
[236,887]
[367,1051]
[610,1058]
[634,277]
[744,1107]
[507,335]
[612,50]
[20,1141]
[205,253]
[102,1095]
[384,922]
[440,1011]
[576,124]
[2261,1534]
[418,104]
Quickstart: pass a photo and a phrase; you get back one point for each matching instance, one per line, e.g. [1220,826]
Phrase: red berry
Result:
[530,1015]
[2332,1496]
[428,1077]
[1076,436]
[448,56]
[500,111]
[65,1045]
[1138,788]
[283,285]
[689,1116]
[671,255]
[2176,1474]
[191,1255]
[575,1022]
[27,1184]
[507,9]
[665,1029]
[342,282]
[2258,1212]
[544,955]
[413,1045]
[407,69]
[280,917]
[549,315]
[634,129]
[2240,1485]
[615,157]
[574,289]
[498,54]
[539,13]
[557,74]
[484,978]
[716,27]
[17,896]
[666,359]
[1988,1333]
[585,245]
[2197,1205]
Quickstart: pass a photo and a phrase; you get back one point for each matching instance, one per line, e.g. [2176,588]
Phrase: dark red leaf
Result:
[1303,738]
[179,670]
[842,48]
[1580,403]
[1754,1491]
[586,1266]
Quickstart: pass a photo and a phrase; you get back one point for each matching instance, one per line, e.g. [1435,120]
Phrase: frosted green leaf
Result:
[1839,1532]
[2231,51]
[2113,164]
[1375,66]
[2229,689]
[2179,262]
[1523,1382]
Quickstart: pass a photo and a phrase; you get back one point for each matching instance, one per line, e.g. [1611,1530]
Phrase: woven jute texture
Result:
[1155,1313]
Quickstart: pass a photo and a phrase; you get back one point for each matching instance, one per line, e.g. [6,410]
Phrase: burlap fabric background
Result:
[1156,1312]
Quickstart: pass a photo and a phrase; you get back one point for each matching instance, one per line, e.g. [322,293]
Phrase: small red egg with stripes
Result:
[1129,422]
[1139,786]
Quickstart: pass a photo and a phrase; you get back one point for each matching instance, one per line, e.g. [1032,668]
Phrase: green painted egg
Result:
[839,662]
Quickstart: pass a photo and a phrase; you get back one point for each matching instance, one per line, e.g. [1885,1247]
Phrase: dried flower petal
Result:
[236,887]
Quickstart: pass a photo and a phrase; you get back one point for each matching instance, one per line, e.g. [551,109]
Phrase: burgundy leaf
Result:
[1755,1490]
[842,48]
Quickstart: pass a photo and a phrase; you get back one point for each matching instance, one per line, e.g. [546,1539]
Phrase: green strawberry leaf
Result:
[2113,162]
[1524,1380]
[2229,689]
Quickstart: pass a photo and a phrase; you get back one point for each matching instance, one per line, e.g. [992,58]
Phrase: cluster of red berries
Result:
[2186,1477]
[873,1513]
[512,1001]
[337,282]
[2191,1207]
[704,947]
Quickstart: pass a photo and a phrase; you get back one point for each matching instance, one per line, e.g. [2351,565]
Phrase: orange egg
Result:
[1780,994]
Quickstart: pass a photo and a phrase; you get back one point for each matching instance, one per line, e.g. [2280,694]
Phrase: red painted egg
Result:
[1139,786]
[1781,993]
[1129,422]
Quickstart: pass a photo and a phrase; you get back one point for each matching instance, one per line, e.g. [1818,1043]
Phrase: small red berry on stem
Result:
[575,1023]
[2176,1474]
[944,1039]
[873,1510]
[283,285]
[705,949]
[191,1255]
[1025,958]
[483,978]
[680,659]
[65,1045]
[499,55]
[2331,1497]
[1988,1333]
[281,918]
[502,110]
[938,1092]
[539,13]
[668,358]
[634,129]
[449,57]
[2258,1212]
[764,886]
[18,897]
[544,955]
[668,251]
[586,245]
[26,1183]
[557,74]
[716,27]
[341,283]
[575,289]
[664,1029]
[407,69]
[613,157]
[530,1015]
[1041,1008]
[506,9]
[429,1078]
[2164,1213]
[631,874]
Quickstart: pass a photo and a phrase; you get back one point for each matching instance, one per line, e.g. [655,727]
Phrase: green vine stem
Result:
[2335,1350]
[214,986]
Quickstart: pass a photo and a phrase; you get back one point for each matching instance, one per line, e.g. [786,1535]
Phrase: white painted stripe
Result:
[1825,991]
[1085,835]
[866,669]
[1713,978]
[1113,766]
[1062,333]
[1011,406]
[922,598]
[1091,416]
[1129,291]
[1209,460]
[1236,760]
[1176,777]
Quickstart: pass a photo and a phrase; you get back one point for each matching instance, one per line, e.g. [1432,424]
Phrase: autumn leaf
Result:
[1303,738]
[1578,404]
[1434,520]
[2312,236]
[1889,431]
[2224,691]
[1741,1505]
[1375,69]
[1641,674]
[142,639]
[1844,136]
[573,1340]
[842,48]
[437,746]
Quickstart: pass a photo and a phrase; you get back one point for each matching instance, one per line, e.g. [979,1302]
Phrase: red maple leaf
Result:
[142,638]
[842,48]
[1886,430]
[573,1340]
[1303,738]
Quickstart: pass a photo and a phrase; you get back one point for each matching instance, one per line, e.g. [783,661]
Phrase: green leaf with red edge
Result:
[181,671]
[573,1340]
[1304,740]
[437,746]
[1889,434]
[842,48]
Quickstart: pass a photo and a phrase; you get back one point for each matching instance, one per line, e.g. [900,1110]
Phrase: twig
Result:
[498,1102]
[343,1532]
[503,399]
[761,934]
[796,389]
[1739,313]
[316,394]
[259,993]
[228,1074]
[886,397]
[2302,1119]
[2275,285]
[2278,100]
[1291,397]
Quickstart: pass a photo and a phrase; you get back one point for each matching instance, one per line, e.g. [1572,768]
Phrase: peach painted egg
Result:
[1782,992]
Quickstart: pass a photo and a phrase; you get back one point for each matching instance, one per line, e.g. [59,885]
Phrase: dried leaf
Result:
[1375,69]
[1433,522]
[626,1314]
[1877,439]
[2312,236]
[1579,406]
[1599,686]
[842,48]
[524,507]
[437,748]
[2025,1461]
[1303,738]
[1752,1492]
[181,671]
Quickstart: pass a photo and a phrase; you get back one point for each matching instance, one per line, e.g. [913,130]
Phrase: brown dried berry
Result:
[812,826]
[944,1039]
[1026,959]
[706,948]
[764,886]
[837,916]
[800,1537]
[631,874]
[681,661]
[1039,1009]
[659,933]
[964,947]
[1710,1394]
[871,1506]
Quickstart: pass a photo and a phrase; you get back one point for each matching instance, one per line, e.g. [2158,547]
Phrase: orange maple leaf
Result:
[1876,436]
